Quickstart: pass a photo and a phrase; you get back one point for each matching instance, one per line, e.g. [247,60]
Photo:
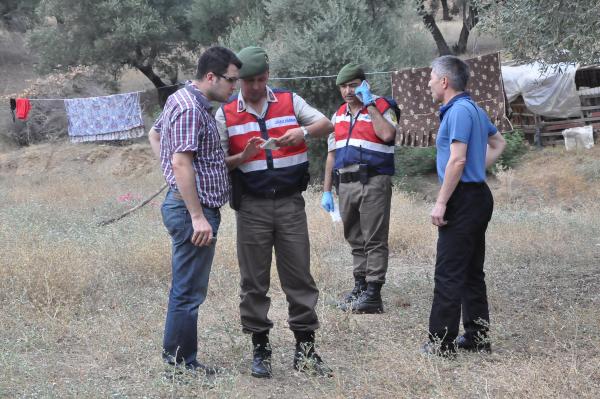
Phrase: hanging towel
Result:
[116,117]
[13,106]
[22,106]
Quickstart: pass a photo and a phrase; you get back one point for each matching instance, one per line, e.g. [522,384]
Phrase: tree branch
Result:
[135,208]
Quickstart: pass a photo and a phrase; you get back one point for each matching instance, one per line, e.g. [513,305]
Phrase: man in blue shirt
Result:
[467,143]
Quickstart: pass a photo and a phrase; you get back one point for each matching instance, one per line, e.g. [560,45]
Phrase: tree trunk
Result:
[445,11]
[164,91]
[429,21]
[440,42]
[469,21]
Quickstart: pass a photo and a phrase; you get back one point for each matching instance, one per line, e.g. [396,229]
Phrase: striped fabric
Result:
[186,124]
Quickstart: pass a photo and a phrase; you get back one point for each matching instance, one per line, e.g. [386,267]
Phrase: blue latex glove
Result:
[327,201]
[363,92]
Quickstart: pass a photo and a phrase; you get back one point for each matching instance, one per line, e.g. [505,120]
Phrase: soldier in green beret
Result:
[264,132]
[361,158]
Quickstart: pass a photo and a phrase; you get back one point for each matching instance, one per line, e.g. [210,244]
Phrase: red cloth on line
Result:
[23,107]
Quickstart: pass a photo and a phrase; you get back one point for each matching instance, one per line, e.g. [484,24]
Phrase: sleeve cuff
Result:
[186,148]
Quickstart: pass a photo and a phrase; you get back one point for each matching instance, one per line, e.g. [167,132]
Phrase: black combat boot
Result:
[368,302]
[306,359]
[360,285]
[261,355]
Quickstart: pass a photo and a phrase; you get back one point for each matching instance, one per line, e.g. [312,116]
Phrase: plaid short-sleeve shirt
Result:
[186,124]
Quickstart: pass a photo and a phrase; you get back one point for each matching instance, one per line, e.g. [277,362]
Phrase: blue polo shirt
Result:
[464,121]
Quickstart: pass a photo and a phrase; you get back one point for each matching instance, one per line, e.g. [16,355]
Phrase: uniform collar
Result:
[241,104]
[450,103]
[199,95]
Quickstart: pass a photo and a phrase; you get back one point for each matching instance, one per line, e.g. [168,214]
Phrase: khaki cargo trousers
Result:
[365,211]
[263,225]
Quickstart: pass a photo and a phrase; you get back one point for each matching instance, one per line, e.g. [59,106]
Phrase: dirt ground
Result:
[82,307]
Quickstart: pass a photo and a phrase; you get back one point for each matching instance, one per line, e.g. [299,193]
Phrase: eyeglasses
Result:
[230,79]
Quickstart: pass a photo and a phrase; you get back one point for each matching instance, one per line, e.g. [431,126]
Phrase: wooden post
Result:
[537,139]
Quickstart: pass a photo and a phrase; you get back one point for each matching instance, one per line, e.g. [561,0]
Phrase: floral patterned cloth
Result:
[116,117]
[419,122]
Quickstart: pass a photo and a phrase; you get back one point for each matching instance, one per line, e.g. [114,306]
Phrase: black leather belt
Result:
[471,184]
[274,193]
[351,177]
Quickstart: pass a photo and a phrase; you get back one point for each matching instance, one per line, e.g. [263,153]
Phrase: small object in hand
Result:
[270,144]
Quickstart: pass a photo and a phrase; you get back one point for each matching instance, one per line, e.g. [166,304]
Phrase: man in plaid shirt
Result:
[186,139]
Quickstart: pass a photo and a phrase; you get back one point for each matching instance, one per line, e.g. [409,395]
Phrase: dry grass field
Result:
[82,307]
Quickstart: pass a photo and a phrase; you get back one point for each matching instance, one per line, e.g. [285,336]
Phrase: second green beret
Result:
[349,72]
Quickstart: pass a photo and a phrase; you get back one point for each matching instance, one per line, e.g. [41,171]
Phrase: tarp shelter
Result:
[546,100]
[546,90]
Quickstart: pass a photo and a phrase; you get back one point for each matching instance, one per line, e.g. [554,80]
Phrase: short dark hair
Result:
[216,59]
[453,68]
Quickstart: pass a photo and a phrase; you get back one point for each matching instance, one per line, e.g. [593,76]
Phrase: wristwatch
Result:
[305,131]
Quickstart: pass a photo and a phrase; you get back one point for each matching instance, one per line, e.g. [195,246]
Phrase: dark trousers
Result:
[190,272]
[459,276]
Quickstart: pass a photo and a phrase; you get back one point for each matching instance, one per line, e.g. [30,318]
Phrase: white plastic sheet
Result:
[549,92]
[579,137]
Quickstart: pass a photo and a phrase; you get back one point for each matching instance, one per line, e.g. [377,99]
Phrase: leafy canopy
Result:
[112,34]
[549,31]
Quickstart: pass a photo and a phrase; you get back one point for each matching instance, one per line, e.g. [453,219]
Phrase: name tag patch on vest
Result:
[281,121]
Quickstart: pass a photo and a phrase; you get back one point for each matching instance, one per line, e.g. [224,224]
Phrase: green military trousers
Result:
[365,212]
[263,225]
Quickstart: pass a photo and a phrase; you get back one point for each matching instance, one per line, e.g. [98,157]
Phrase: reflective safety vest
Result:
[270,170]
[357,143]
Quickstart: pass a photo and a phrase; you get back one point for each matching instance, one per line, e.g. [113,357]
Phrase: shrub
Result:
[514,150]
[415,161]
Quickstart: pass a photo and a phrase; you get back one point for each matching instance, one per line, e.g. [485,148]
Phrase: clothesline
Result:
[63,99]
[327,76]
[178,84]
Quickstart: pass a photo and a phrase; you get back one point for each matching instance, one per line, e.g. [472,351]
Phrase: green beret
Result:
[350,72]
[254,61]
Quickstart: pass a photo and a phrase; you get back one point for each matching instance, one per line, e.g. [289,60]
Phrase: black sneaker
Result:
[306,360]
[200,368]
[474,345]
[261,362]
[431,348]
[193,367]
